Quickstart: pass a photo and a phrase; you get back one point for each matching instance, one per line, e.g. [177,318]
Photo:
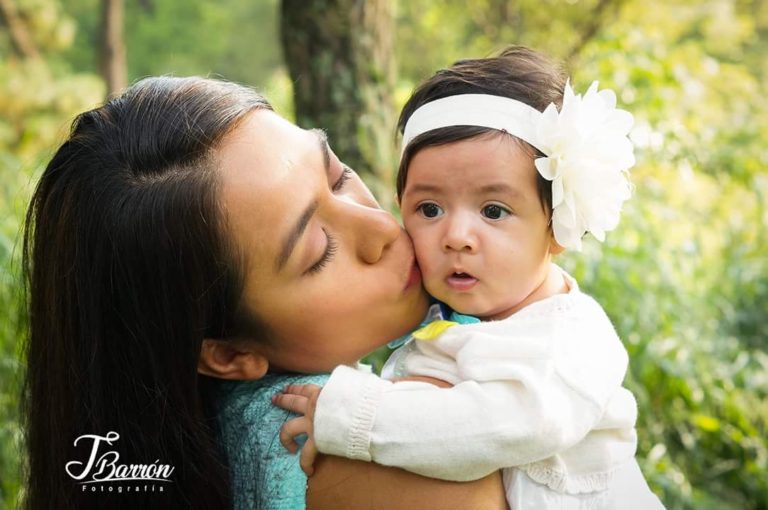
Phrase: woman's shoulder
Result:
[245,407]
[255,397]
[263,473]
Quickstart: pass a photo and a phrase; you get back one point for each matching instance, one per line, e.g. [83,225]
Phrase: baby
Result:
[503,167]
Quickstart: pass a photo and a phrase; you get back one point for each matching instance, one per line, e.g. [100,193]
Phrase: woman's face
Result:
[330,274]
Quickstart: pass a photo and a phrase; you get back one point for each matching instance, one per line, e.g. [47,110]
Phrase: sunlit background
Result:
[684,278]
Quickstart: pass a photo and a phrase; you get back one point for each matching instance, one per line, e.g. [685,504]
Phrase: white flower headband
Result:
[587,151]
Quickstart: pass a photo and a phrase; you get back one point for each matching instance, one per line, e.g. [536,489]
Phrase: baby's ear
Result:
[230,360]
[554,247]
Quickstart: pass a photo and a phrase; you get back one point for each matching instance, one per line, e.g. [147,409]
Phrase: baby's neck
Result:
[553,283]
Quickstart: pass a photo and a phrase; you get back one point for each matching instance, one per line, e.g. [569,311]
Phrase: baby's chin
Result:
[465,305]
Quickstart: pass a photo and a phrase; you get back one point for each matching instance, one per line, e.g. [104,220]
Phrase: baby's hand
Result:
[300,399]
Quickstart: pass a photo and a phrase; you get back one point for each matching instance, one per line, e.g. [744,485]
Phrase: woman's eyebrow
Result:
[301,225]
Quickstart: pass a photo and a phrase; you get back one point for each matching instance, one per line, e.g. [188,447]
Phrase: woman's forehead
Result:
[269,170]
[264,140]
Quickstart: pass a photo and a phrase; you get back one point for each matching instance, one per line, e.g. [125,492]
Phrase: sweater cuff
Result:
[345,413]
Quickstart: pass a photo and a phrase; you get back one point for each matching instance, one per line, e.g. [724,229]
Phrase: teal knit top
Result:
[263,474]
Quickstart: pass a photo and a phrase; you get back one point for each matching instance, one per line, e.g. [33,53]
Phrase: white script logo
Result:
[103,466]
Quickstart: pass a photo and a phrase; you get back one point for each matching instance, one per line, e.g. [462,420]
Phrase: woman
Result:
[185,227]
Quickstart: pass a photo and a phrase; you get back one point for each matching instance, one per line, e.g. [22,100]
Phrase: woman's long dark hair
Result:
[127,270]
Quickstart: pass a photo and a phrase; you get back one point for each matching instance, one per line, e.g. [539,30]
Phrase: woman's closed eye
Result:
[331,247]
[346,173]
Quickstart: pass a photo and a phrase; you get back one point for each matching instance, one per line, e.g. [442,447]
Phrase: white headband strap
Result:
[585,142]
[483,110]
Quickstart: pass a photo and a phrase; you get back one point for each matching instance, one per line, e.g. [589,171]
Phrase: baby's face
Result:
[479,230]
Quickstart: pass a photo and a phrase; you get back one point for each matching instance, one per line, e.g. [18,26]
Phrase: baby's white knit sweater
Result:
[540,391]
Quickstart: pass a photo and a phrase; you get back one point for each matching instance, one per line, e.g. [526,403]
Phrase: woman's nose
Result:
[459,234]
[375,231]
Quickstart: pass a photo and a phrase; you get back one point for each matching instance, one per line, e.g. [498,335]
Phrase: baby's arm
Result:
[462,433]
[301,399]
[525,401]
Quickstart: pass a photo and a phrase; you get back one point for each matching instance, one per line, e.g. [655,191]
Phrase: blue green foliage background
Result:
[684,278]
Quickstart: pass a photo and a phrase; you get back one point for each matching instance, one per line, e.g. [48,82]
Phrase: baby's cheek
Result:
[433,283]
[426,256]
[428,253]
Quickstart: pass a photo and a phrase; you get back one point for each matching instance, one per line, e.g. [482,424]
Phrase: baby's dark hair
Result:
[517,72]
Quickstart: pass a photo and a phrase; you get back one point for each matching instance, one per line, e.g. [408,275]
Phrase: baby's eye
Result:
[495,212]
[430,210]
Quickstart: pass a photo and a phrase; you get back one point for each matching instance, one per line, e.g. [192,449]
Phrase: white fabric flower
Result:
[588,155]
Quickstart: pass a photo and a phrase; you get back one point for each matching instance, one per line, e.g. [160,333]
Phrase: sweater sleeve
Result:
[526,389]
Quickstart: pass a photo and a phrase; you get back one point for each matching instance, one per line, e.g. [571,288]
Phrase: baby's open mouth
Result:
[460,281]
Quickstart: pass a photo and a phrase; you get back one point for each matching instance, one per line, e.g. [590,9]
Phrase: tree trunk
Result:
[112,53]
[600,16]
[21,40]
[340,57]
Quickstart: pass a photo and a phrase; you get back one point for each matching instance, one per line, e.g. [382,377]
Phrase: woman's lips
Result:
[461,281]
[414,277]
